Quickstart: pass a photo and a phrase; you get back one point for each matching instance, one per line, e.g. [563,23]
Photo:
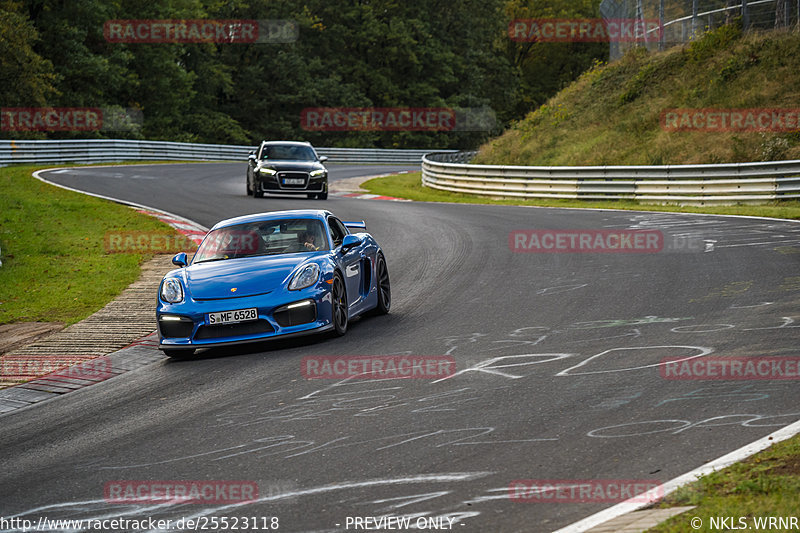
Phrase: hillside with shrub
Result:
[614,113]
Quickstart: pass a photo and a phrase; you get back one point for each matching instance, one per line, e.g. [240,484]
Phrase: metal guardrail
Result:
[682,184]
[447,170]
[111,150]
[375,155]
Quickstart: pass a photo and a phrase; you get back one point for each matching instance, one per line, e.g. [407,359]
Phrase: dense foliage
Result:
[349,53]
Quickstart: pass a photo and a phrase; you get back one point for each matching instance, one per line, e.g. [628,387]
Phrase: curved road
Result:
[558,378]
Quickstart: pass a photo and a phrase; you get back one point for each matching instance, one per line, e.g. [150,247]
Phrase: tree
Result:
[544,68]
[26,79]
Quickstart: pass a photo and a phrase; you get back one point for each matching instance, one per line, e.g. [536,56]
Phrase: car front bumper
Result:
[186,325]
[273,184]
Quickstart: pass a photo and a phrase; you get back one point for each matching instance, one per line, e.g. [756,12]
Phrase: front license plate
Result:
[294,181]
[229,317]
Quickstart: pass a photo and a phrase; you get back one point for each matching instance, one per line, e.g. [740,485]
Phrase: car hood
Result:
[249,276]
[286,165]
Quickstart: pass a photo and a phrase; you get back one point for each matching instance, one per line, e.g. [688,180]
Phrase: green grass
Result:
[55,264]
[767,484]
[410,186]
[612,114]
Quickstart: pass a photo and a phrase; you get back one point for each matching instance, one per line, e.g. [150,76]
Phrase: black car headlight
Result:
[317,173]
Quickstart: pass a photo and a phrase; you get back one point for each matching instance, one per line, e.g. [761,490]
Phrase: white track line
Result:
[185,220]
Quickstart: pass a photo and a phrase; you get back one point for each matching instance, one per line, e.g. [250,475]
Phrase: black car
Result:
[287,167]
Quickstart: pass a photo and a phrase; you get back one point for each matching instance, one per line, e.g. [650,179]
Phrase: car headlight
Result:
[172,291]
[270,171]
[305,277]
[318,172]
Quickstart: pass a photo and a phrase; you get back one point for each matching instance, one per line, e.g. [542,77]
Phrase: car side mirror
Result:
[180,260]
[251,156]
[350,241]
[323,158]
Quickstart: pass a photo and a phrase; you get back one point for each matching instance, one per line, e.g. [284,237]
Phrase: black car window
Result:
[338,230]
[289,152]
[272,237]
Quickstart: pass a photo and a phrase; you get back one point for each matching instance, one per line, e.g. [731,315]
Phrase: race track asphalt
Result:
[558,356]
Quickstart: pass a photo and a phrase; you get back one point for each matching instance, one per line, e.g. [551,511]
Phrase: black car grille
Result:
[234,330]
[176,328]
[293,176]
[294,316]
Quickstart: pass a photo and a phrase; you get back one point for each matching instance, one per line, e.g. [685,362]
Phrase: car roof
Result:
[298,143]
[319,214]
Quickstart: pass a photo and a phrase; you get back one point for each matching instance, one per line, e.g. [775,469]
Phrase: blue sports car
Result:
[270,275]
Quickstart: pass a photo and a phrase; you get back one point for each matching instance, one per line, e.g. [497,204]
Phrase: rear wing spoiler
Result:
[356,226]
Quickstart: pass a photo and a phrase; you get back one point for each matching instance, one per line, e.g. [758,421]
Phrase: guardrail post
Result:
[745,16]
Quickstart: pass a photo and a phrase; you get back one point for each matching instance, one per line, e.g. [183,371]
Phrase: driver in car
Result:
[309,239]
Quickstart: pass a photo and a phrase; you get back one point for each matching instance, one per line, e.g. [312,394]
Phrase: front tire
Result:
[384,286]
[339,316]
[249,190]
[322,196]
[179,354]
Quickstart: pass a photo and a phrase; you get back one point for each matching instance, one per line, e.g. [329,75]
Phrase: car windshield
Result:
[291,152]
[273,237]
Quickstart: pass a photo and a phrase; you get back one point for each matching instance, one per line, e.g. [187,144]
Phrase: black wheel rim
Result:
[383,283]
[339,305]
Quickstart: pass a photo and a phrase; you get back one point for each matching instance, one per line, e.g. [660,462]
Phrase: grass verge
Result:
[765,485]
[410,186]
[56,267]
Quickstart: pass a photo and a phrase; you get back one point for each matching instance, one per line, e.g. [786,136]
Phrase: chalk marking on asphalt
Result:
[703,351]
[762,304]
[679,426]
[702,328]
[349,485]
